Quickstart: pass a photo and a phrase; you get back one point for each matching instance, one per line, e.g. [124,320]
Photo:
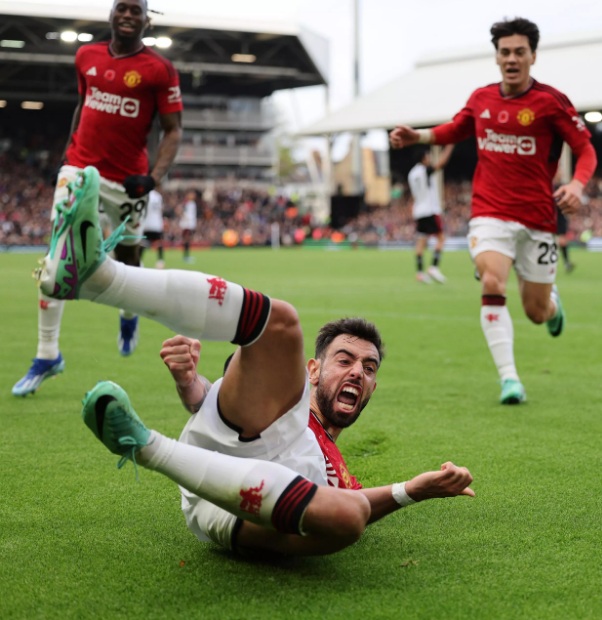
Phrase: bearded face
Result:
[344,379]
[341,409]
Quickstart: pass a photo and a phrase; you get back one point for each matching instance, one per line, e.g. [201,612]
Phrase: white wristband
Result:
[398,491]
[425,136]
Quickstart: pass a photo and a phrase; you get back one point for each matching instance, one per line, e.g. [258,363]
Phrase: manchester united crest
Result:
[132,79]
[525,117]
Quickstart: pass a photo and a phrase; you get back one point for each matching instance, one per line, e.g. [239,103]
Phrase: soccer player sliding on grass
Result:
[256,469]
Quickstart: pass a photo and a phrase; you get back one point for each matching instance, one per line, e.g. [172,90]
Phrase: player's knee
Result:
[356,517]
[349,516]
[284,321]
[537,313]
[492,284]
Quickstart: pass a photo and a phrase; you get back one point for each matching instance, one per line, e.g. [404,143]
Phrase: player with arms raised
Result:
[122,86]
[520,126]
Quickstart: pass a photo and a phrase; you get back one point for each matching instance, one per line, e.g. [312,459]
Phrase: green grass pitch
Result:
[80,539]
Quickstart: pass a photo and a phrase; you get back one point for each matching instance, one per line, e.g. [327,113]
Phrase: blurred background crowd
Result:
[229,214]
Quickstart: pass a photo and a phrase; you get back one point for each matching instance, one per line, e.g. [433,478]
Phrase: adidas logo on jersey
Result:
[91,71]
[485,114]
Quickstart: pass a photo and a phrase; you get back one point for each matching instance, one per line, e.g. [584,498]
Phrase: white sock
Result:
[499,334]
[50,313]
[188,302]
[263,492]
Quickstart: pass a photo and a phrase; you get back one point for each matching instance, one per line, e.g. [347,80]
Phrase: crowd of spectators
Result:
[231,215]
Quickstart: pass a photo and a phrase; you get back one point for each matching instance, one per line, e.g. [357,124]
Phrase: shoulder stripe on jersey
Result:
[164,61]
[550,90]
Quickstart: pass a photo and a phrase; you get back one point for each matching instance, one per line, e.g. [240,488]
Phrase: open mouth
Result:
[348,397]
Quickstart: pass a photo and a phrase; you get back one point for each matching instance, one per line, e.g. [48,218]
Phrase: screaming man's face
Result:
[345,379]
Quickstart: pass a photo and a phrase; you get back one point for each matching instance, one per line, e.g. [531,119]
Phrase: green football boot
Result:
[108,413]
[556,324]
[513,392]
[76,246]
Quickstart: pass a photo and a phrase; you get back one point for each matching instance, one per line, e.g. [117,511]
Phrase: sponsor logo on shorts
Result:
[62,182]
[525,117]
[505,143]
[110,103]
[132,78]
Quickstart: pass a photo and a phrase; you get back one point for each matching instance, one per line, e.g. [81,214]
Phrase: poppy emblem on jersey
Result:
[109,75]
[503,116]
[525,117]
[251,499]
[132,79]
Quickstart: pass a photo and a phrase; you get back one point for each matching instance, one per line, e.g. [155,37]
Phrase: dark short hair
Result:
[419,153]
[518,25]
[360,328]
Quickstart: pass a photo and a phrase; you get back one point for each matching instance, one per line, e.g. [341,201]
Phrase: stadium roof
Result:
[287,55]
[440,85]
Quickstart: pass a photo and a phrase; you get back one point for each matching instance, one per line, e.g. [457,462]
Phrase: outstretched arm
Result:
[449,481]
[403,136]
[181,355]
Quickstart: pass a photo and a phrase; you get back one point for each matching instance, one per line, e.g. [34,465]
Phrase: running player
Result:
[519,125]
[122,86]
[427,211]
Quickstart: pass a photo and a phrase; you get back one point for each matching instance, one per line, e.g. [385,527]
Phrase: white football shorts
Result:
[534,252]
[114,205]
[287,441]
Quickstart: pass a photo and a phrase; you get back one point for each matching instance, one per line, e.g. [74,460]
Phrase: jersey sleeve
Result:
[574,132]
[169,96]
[462,126]
[81,80]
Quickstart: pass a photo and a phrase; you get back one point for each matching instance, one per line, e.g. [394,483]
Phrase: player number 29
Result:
[127,208]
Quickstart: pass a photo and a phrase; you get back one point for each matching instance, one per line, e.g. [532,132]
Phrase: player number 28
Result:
[549,253]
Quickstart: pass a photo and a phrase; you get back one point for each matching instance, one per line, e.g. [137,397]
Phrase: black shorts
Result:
[152,235]
[562,225]
[430,225]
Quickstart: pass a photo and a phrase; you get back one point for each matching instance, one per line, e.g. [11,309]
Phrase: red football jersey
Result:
[121,98]
[519,141]
[336,468]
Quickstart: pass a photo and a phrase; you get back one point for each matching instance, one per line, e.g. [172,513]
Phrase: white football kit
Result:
[154,213]
[288,441]
[422,182]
